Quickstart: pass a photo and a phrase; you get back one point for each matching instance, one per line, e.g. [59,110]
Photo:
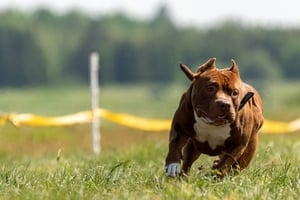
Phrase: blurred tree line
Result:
[47,48]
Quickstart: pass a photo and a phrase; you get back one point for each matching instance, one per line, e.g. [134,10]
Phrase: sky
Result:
[183,12]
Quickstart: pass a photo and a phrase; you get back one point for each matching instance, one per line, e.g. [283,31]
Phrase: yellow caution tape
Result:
[294,125]
[137,122]
[272,127]
[36,120]
[275,127]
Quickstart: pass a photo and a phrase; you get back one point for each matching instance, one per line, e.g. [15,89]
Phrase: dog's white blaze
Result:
[214,135]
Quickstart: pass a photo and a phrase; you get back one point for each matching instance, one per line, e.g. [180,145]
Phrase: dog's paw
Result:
[173,169]
[216,164]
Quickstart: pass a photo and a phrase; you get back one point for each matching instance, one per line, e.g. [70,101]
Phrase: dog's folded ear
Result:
[187,71]
[206,66]
[234,67]
[209,64]
[245,99]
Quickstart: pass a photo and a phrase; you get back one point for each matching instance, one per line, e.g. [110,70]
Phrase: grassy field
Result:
[137,173]
[57,163]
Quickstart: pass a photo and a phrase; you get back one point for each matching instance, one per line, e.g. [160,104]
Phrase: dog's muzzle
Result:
[221,119]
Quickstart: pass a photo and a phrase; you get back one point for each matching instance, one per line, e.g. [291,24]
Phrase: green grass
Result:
[145,100]
[137,173]
[45,101]
[282,100]
[131,163]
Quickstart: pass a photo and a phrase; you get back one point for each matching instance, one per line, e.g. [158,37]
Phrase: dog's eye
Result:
[211,88]
[235,93]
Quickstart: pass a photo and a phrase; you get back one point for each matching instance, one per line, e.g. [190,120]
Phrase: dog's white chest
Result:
[214,135]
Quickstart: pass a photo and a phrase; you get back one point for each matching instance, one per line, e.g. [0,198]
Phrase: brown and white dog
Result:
[218,115]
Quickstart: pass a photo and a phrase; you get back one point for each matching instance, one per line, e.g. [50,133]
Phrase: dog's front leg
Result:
[176,143]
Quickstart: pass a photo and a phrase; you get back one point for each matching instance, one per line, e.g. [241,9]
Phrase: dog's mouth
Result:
[217,120]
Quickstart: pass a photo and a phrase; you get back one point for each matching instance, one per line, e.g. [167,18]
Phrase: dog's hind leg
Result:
[190,154]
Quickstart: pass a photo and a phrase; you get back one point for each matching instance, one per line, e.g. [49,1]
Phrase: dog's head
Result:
[216,94]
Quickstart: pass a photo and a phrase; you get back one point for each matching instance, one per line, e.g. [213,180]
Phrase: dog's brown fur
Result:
[217,116]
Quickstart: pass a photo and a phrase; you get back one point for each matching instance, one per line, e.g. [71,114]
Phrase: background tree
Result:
[21,59]
[44,47]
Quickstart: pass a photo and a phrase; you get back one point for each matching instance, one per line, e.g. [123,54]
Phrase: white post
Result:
[94,68]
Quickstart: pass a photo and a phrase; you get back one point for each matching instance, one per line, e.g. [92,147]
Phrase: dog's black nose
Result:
[223,104]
